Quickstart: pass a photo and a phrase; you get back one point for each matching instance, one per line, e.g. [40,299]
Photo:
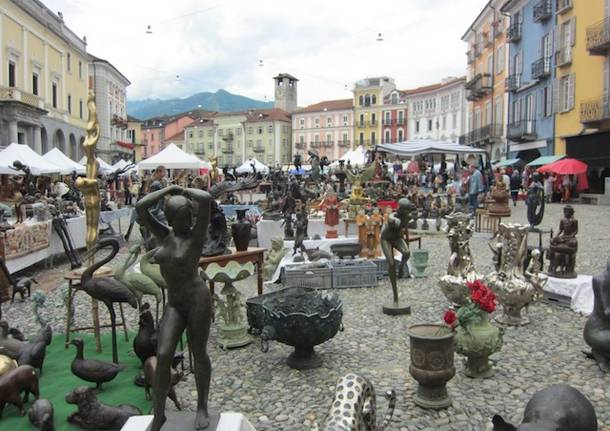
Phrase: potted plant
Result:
[476,338]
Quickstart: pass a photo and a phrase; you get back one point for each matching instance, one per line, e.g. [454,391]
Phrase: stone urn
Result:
[241,231]
[477,341]
[420,262]
[431,364]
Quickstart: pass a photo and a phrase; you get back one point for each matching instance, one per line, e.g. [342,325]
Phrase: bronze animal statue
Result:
[92,414]
[597,328]
[22,379]
[41,415]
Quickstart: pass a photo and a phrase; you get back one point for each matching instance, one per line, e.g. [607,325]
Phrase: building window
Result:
[387,137]
[361,120]
[316,122]
[566,93]
[259,130]
[69,104]
[394,99]
[201,133]
[80,70]
[12,74]
[361,138]
[373,119]
[329,121]
[80,109]
[444,124]
[345,138]
[190,134]
[301,139]
[69,62]
[54,94]
[417,126]
[387,117]
[547,102]
[249,130]
[374,100]
[367,100]
[373,138]
[360,101]
[329,138]
[400,135]
[35,84]
[302,122]
[345,120]
[271,128]
[401,117]
[454,121]
[316,138]
[238,131]
[429,125]
[210,133]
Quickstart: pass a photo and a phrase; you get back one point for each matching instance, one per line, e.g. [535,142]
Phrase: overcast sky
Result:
[327,44]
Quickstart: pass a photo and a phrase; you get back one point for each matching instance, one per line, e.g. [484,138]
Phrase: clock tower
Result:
[286,92]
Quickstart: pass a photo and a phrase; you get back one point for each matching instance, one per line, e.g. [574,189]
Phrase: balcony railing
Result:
[523,130]
[315,144]
[563,57]
[543,10]
[388,121]
[598,38]
[372,123]
[118,121]
[541,68]
[593,112]
[513,34]
[300,145]
[227,150]
[513,82]
[227,137]
[486,133]
[327,144]
[344,143]
[478,86]
[400,121]
[361,124]
[7,93]
[563,6]
[259,149]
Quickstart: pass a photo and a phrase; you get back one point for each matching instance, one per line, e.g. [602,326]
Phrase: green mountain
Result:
[221,101]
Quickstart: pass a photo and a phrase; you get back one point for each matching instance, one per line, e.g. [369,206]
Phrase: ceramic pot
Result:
[431,364]
[420,262]
[477,342]
[241,231]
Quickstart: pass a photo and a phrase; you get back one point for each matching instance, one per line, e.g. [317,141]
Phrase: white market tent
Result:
[172,157]
[66,164]
[121,164]
[105,168]
[37,164]
[356,157]
[246,167]
[417,147]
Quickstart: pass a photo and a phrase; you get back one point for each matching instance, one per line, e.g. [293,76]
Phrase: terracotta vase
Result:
[477,342]
[241,231]
[431,364]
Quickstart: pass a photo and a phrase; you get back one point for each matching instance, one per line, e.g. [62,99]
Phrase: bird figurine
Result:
[139,284]
[145,342]
[149,267]
[107,289]
[92,370]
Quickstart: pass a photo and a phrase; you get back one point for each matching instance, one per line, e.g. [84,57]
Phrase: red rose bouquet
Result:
[482,301]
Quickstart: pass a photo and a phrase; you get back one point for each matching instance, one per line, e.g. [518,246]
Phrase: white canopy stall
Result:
[66,164]
[172,157]
[105,168]
[121,164]
[418,147]
[37,164]
[246,167]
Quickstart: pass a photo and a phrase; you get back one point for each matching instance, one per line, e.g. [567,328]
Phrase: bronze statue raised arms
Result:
[392,239]
[189,305]
[562,252]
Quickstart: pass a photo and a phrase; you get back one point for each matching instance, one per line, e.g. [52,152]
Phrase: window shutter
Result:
[571,82]
[573,32]
[557,38]
[556,96]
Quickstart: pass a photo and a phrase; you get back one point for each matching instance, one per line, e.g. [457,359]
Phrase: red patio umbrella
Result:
[565,167]
[569,167]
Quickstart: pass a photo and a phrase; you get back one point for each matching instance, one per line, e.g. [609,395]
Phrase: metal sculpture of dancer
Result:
[535,201]
[392,239]
[189,305]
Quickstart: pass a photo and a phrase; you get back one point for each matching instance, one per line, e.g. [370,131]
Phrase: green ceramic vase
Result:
[420,262]
[477,342]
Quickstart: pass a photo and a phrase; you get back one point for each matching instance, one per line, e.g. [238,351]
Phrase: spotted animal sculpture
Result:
[354,406]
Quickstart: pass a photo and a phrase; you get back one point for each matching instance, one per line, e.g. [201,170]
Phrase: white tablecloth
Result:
[269,229]
[77,227]
[580,289]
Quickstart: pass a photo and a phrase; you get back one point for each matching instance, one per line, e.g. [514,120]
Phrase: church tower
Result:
[286,92]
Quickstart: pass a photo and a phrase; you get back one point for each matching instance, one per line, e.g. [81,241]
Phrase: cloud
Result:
[207,45]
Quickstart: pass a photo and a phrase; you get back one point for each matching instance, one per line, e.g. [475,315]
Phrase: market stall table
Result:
[256,255]
[270,229]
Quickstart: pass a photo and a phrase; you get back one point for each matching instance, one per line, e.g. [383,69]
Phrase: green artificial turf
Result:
[57,380]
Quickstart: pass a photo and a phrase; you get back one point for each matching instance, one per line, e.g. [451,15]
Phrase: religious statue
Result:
[392,239]
[300,225]
[213,172]
[357,181]
[330,204]
[563,248]
[288,230]
[460,270]
[361,222]
[513,288]
[500,196]
[597,328]
[535,201]
[189,305]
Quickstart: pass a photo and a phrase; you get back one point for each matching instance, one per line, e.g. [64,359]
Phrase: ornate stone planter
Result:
[431,364]
[477,342]
[420,262]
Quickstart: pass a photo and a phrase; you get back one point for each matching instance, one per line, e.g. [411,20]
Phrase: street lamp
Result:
[379,37]
[260,63]
[148,29]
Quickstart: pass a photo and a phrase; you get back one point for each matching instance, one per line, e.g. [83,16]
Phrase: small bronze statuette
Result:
[562,252]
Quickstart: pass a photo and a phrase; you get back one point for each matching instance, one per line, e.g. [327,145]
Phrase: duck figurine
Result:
[92,370]
[145,342]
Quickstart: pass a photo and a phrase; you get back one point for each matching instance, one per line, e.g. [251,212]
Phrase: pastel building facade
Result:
[531,80]
[437,112]
[369,95]
[487,60]
[326,127]
[43,79]
[394,117]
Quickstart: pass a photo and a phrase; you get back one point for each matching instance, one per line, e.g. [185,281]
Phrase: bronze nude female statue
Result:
[189,304]
[562,252]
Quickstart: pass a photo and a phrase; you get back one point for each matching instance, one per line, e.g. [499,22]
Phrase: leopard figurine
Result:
[354,406]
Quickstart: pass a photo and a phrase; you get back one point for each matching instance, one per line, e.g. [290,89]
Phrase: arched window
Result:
[361,100]
[400,135]
[387,139]
[374,100]
[394,99]
[367,100]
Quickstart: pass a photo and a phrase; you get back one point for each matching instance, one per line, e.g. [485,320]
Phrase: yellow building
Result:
[369,94]
[582,121]
[134,137]
[43,79]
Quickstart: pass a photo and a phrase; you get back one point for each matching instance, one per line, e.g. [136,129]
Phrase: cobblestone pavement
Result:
[275,397]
